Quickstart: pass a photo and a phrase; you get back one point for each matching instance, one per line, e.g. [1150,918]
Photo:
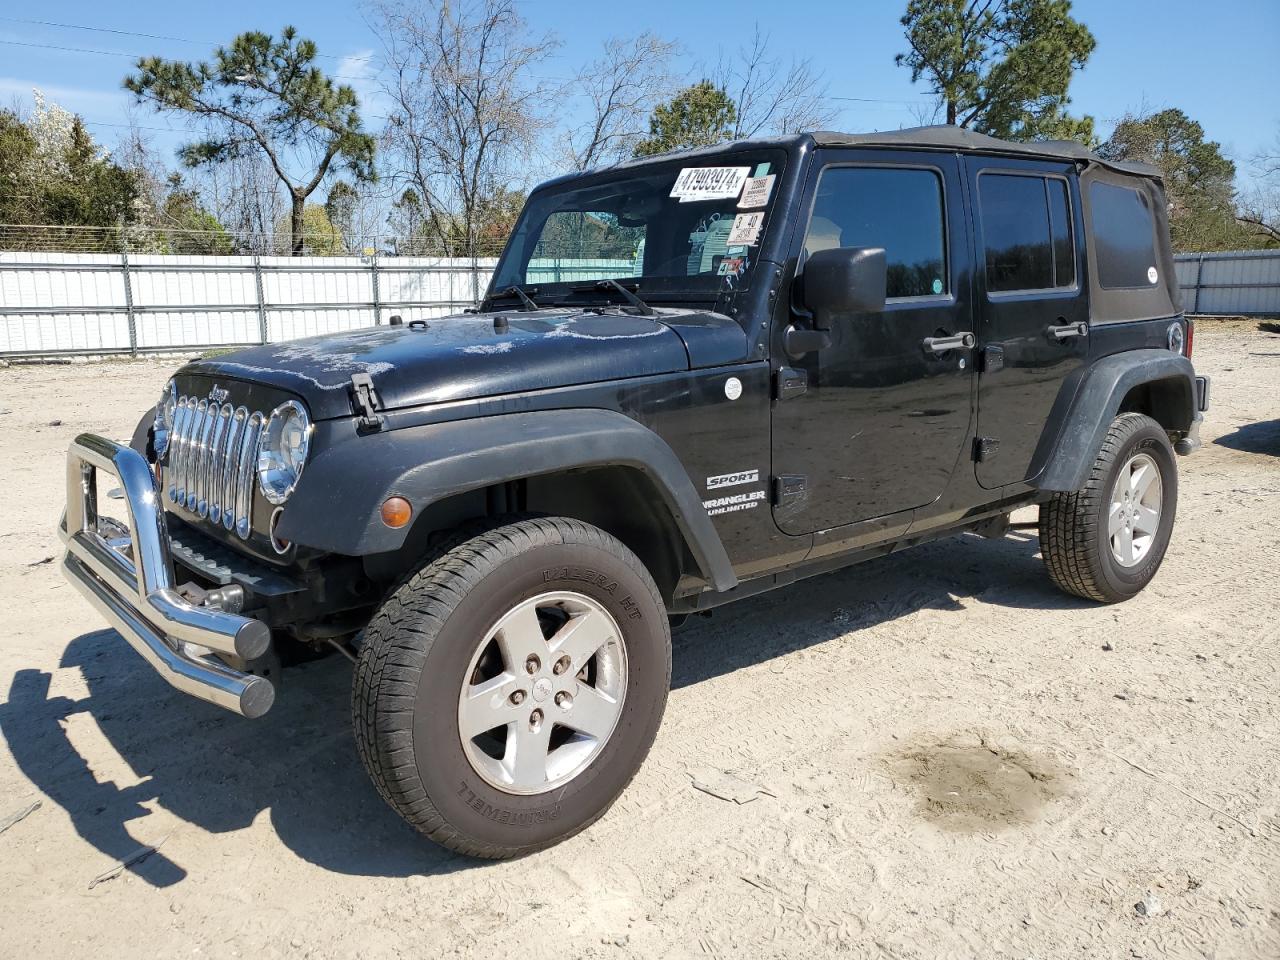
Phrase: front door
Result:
[1033,329]
[875,423]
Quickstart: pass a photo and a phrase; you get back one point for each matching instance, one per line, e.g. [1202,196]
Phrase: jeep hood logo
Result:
[218,394]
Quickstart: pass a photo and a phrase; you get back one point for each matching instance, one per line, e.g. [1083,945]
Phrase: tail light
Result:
[1191,337]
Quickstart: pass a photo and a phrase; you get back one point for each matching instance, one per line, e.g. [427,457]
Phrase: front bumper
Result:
[127,573]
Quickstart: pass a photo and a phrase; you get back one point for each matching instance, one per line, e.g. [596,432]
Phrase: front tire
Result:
[1106,541]
[508,691]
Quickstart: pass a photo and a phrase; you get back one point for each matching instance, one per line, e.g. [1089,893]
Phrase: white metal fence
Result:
[99,303]
[86,303]
[1237,282]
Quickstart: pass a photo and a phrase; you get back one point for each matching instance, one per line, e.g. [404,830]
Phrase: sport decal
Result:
[739,479]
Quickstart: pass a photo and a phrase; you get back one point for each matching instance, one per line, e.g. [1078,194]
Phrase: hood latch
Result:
[364,398]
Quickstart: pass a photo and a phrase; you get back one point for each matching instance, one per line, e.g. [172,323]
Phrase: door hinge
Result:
[992,358]
[790,382]
[364,398]
[985,448]
[789,489]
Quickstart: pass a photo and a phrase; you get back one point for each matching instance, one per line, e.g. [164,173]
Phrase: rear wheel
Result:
[509,690]
[1106,541]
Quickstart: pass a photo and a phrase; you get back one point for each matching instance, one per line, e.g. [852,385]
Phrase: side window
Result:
[1123,235]
[1064,246]
[1026,230]
[900,210]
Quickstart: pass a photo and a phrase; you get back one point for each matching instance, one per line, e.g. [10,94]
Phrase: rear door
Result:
[1033,311]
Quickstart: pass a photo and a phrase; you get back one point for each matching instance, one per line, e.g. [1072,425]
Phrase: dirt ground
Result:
[929,755]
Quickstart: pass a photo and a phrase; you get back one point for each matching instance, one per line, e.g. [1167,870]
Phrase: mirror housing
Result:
[844,280]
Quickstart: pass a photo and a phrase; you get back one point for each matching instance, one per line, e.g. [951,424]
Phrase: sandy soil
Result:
[930,755]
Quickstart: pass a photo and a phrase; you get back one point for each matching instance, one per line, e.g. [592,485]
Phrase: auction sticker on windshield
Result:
[746,229]
[709,183]
[757,192]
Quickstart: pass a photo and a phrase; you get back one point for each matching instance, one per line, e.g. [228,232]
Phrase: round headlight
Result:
[282,451]
[162,425]
[1177,338]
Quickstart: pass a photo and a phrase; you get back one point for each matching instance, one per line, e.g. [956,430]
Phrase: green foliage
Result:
[1001,67]
[194,230]
[340,207]
[697,116]
[319,235]
[1199,180]
[53,174]
[20,196]
[422,233]
[264,94]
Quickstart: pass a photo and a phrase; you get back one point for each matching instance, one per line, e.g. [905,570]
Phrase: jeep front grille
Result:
[212,461]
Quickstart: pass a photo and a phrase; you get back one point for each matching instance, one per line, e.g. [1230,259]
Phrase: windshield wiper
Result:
[527,300]
[641,307]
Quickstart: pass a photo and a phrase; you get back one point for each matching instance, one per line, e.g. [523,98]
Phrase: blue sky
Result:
[1216,61]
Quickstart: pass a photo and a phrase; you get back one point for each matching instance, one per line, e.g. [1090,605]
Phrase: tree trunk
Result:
[951,113]
[295,225]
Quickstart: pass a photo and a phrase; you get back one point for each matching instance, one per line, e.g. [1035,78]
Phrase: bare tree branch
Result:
[622,86]
[466,108]
[771,97]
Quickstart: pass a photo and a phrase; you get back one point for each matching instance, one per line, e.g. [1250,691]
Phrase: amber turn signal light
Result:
[396,512]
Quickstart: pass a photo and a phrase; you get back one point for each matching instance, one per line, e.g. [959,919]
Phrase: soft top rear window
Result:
[1124,236]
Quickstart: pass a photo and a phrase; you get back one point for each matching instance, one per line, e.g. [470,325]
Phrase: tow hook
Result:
[229,599]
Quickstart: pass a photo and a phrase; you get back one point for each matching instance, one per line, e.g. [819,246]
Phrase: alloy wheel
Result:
[1133,519]
[543,693]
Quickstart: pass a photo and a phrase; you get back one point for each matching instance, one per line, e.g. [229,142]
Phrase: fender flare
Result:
[337,505]
[1098,401]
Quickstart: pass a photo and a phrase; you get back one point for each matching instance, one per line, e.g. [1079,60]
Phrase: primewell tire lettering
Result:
[516,818]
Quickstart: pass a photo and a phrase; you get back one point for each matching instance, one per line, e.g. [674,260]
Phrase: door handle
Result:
[1068,330]
[960,341]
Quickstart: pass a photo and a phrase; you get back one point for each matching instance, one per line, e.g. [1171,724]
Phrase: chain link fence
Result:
[45,238]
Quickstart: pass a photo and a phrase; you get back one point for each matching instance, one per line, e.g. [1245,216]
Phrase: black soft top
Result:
[1160,298]
[957,138]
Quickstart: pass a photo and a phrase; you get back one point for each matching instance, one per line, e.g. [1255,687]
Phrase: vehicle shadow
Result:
[1260,437]
[220,772]
[1005,572]
[211,768]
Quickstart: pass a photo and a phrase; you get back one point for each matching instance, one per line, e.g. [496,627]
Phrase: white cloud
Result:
[359,70]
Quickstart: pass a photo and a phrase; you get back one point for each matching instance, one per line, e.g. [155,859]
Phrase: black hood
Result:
[478,355]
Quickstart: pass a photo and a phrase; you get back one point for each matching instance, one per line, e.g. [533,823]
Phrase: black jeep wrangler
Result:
[694,378]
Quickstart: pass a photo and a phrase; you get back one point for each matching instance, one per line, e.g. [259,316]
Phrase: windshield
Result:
[688,229]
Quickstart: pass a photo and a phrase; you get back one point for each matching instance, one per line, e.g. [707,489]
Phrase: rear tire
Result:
[1106,541]
[508,691]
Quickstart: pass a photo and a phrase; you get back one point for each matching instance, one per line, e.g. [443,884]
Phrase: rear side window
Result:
[1123,235]
[1026,230]
[900,210]
[1064,247]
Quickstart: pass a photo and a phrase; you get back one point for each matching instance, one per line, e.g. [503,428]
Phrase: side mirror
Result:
[844,280]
